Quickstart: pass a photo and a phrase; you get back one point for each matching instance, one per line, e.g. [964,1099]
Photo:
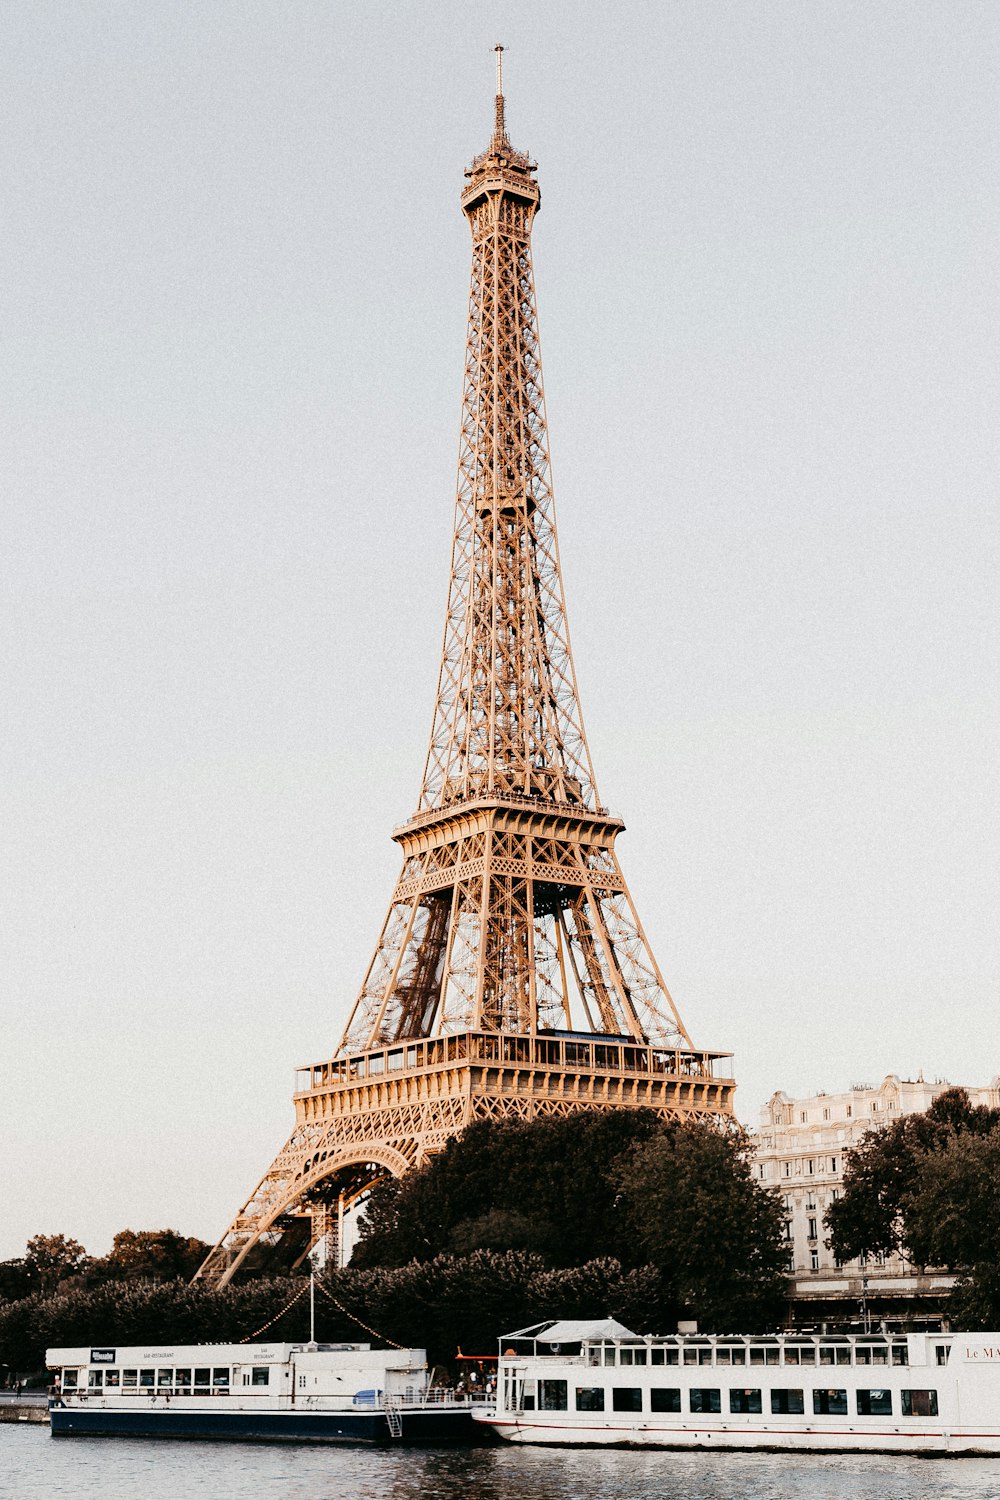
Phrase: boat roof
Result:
[573,1331]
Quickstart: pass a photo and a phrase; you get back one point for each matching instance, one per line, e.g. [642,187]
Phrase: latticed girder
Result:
[511,919]
[507,718]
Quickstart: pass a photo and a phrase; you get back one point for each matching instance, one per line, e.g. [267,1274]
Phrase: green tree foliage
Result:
[52,1258]
[157,1254]
[715,1236]
[674,1203]
[882,1175]
[541,1187]
[442,1305]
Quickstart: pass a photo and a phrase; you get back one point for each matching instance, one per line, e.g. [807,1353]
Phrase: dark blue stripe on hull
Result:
[284,1426]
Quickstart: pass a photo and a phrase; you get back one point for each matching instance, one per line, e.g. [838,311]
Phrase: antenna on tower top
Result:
[501,127]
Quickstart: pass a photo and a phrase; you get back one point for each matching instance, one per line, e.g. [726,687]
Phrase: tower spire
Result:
[500,126]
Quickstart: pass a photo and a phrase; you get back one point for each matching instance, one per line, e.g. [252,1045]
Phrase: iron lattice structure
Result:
[512,976]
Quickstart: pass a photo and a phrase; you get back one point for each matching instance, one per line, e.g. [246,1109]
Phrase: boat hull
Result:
[931,1443]
[428,1427]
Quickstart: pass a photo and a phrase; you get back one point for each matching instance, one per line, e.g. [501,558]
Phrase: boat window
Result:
[146,1379]
[593,1354]
[552,1395]
[690,1356]
[791,1356]
[877,1403]
[664,1398]
[787,1402]
[164,1379]
[220,1377]
[807,1356]
[203,1377]
[880,1354]
[626,1398]
[704,1356]
[528,1398]
[744,1401]
[739,1356]
[69,1379]
[900,1354]
[625,1356]
[261,1376]
[919,1403]
[756,1356]
[590,1398]
[640,1356]
[609,1354]
[672,1356]
[95,1380]
[723,1356]
[656,1356]
[827,1355]
[705,1398]
[182,1379]
[830,1403]
[862,1356]
[112,1377]
[941,1353]
[130,1379]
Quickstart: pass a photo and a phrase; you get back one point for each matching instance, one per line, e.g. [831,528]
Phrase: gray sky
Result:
[234,282]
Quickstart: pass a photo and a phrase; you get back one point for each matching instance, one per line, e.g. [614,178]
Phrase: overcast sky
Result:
[234,284]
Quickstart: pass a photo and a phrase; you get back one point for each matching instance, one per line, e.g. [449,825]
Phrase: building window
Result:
[744,1401]
[877,1403]
[826,1114]
[814,1260]
[833,1164]
[787,1166]
[811,1167]
[664,1398]
[626,1398]
[260,1376]
[850,1111]
[812,1229]
[787,1403]
[803,1118]
[705,1398]
[590,1398]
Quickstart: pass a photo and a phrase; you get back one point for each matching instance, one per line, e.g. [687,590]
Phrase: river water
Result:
[35,1466]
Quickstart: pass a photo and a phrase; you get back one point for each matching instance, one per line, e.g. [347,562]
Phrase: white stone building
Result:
[800,1153]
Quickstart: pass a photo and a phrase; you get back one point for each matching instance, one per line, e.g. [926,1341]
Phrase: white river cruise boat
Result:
[585,1383]
[322,1393]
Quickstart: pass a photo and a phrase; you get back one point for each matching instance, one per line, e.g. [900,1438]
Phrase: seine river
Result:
[34,1466]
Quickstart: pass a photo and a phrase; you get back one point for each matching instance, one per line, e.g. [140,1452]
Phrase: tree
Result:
[52,1258]
[714,1235]
[884,1170]
[157,1254]
[541,1186]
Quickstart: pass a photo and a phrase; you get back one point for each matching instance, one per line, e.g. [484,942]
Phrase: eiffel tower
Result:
[512,977]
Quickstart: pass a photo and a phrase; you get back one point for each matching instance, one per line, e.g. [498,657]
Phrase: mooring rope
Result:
[265,1326]
[374,1333]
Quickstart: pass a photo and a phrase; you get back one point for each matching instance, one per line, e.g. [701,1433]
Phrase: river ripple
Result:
[34,1466]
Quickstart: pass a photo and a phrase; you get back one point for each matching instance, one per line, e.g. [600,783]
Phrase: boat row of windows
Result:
[765,1354]
[202,1378]
[790,1401]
